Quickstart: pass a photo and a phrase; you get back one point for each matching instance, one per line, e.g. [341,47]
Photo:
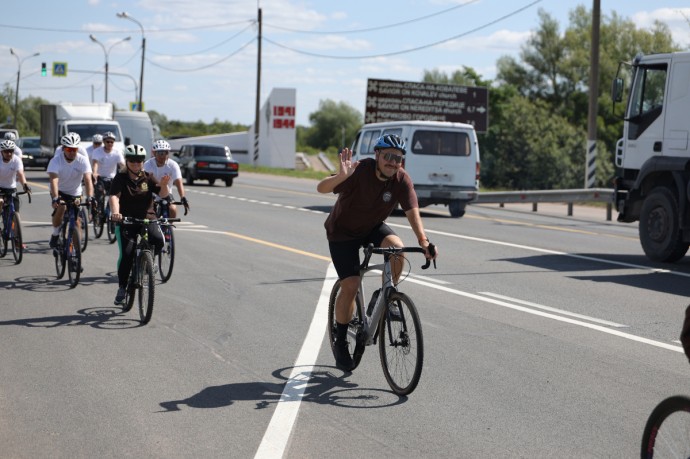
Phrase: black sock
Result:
[341,331]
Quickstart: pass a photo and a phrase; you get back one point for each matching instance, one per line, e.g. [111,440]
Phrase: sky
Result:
[201,55]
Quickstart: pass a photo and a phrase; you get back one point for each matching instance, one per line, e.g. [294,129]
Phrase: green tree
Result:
[333,126]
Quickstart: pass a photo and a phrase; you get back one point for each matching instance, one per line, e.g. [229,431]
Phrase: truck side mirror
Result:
[617,90]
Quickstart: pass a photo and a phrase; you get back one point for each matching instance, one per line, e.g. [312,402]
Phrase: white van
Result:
[137,128]
[442,159]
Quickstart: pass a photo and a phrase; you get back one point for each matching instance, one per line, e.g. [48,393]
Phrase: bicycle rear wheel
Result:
[59,254]
[401,345]
[73,259]
[667,433]
[16,241]
[3,234]
[354,333]
[97,220]
[147,289]
[84,222]
[166,259]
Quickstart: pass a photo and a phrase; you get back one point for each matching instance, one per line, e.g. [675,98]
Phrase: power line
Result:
[410,50]
[204,66]
[207,49]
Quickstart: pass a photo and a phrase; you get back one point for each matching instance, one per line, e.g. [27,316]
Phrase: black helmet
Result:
[135,152]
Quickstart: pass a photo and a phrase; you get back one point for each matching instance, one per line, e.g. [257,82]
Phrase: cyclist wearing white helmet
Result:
[76,139]
[161,165]
[131,195]
[66,171]
[17,151]
[96,141]
[11,170]
[368,191]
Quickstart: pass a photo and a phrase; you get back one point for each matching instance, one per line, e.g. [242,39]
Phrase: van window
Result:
[368,141]
[440,143]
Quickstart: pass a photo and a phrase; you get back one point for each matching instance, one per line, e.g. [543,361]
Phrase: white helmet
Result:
[160,145]
[7,145]
[70,140]
[9,135]
[97,138]
[134,152]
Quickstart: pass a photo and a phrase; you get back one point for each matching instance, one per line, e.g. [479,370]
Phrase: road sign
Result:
[389,100]
[134,107]
[60,69]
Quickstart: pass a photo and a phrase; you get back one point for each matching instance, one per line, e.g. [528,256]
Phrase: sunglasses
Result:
[162,152]
[135,160]
[8,151]
[393,157]
[70,149]
[109,141]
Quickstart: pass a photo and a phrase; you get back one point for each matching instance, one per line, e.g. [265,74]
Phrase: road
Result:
[545,336]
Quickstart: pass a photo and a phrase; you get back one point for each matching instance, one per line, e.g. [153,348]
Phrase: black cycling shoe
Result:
[120,297]
[343,360]
[53,241]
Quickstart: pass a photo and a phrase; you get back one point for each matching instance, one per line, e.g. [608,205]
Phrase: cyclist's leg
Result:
[156,238]
[126,241]
[388,238]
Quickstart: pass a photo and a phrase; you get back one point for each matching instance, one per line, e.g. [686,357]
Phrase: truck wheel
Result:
[457,208]
[660,233]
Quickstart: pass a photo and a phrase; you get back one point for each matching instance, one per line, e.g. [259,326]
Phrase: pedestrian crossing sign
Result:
[60,69]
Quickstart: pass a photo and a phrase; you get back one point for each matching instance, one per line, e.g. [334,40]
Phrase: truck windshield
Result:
[86,131]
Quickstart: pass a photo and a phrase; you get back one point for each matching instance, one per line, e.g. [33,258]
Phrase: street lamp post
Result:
[16,91]
[107,52]
[124,15]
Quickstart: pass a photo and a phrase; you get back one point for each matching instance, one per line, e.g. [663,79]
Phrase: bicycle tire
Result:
[97,220]
[401,344]
[355,339]
[666,431]
[16,239]
[166,259]
[147,289]
[59,254]
[84,225]
[3,234]
[74,259]
[110,225]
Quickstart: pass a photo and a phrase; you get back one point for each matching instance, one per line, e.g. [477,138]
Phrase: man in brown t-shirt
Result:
[368,191]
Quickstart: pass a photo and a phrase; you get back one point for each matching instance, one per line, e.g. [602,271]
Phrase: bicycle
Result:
[166,259]
[142,282]
[67,252]
[84,222]
[666,433]
[11,226]
[391,318]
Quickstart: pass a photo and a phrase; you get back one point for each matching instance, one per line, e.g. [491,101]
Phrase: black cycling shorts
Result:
[345,254]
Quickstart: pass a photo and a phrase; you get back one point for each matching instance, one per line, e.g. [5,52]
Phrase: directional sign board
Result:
[60,69]
[389,100]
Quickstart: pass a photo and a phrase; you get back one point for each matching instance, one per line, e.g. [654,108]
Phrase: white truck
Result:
[86,119]
[137,128]
[652,183]
[442,159]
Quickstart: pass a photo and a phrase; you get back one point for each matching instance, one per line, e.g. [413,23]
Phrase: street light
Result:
[124,15]
[16,91]
[107,52]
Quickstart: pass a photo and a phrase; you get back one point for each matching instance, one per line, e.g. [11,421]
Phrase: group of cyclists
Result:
[131,184]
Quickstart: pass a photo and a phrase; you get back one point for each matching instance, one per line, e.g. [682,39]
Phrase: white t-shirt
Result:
[170,168]
[80,149]
[8,172]
[89,151]
[71,174]
[108,163]
[18,152]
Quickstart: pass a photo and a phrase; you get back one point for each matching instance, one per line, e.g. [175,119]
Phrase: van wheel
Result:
[457,208]
[660,234]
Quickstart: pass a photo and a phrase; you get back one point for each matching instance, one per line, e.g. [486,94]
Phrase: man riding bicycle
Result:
[368,191]
[131,195]
[11,169]
[161,165]
[106,162]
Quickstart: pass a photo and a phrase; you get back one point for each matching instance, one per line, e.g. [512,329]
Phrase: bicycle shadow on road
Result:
[51,284]
[105,318]
[325,385]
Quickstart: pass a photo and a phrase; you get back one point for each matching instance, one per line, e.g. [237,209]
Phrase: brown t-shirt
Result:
[136,196]
[364,202]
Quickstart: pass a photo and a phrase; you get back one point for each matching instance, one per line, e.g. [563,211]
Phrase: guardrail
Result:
[562,196]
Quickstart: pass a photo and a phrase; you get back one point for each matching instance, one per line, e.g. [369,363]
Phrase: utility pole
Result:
[591,164]
[258,94]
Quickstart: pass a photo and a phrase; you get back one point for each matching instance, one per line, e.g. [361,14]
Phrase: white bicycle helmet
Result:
[135,152]
[161,144]
[10,136]
[70,140]
[109,135]
[97,138]
[7,145]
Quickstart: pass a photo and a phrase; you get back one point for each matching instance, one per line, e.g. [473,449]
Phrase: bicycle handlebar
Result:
[370,249]
[146,221]
[19,193]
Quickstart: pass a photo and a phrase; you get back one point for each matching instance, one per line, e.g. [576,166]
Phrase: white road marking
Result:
[279,429]
[555,310]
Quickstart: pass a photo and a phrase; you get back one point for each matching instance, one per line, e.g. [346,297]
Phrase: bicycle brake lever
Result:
[432,252]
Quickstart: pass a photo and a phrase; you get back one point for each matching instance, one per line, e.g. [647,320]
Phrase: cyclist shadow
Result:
[51,284]
[324,385]
[106,318]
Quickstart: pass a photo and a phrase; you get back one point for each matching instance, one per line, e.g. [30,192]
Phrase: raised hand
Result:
[347,167]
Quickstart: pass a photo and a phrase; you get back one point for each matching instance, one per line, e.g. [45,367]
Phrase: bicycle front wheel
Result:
[354,334]
[4,231]
[73,259]
[667,433]
[59,254]
[97,220]
[84,222]
[166,259]
[401,345]
[147,290]
[110,225]
[16,241]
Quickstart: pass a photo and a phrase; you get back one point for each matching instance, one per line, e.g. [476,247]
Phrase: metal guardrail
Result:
[563,196]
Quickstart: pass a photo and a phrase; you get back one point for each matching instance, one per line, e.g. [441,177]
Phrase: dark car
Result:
[207,162]
[32,154]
